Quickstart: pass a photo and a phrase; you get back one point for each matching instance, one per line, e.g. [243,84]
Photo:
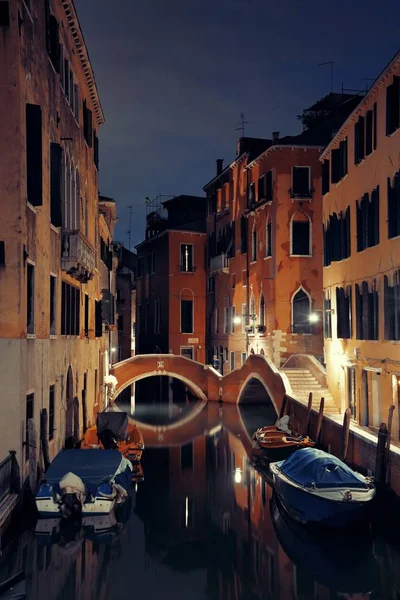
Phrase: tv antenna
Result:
[329,62]
[241,124]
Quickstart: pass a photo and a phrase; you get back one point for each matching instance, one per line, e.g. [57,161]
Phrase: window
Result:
[371,397]
[226,319]
[265,187]
[325,177]
[301,312]
[254,245]
[393,206]
[151,263]
[140,267]
[187,457]
[301,182]
[343,312]
[53,305]
[70,310]
[120,323]
[367,312]
[300,235]
[243,234]
[226,354]
[2,254]
[336,236]
[369,118]
[186,316]
[51,411]
[393,106]
[268,238]
[157,316]
[244,277]
[34,159]
[87,125]
[96,151]
[327,316]
[86,323]
[232,361]
[30,299]
[359,141]
[216,323]
[252,194]
[53,40]
[392,307]
[4,13]
[368,221]
[243,357]
[261,319]
[339,162]
[98,319]
[233,317]
[29,414]
[187,352]
[187,258]
[351,391]
[55,184]
[244,317]
[210,284]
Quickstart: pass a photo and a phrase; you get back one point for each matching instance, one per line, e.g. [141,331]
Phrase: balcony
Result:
[219,263]
[298,194]
[78,257]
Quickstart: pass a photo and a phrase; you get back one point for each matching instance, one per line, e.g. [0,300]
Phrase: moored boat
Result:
[316,487]
[84,482]
[277,442]
[115,431]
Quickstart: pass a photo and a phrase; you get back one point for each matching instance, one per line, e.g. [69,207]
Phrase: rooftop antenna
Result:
[366,79]
[241,124]
[329,62]
[130,227]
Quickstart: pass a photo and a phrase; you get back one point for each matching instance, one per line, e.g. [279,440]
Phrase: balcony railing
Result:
[219,263]
[78,257]
[301,194]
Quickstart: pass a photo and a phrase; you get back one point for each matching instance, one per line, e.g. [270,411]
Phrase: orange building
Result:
[361,216]
[264,244]
[171,279]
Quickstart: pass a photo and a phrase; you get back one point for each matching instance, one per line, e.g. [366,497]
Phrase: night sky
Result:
[174,76]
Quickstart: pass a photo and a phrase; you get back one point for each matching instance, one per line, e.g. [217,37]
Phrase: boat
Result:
[115,431]
[342,563]
[13,588]
[317,488]
[80,482]
[277,442]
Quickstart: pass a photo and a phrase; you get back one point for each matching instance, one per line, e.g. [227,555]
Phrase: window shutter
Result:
[268,185]
[368,132]
[54,43]
[55,185]
[301,238]
[66,77]
[98,319]
[96,150]
[347,251]
[375,125]
[375,216]
[388,301]
[365,311]
[261,188]
[2,254]
[243,228]
[361,139]
[34,154]
[335,175]
[4,14]
[356,142]
[87,125]
[344,156]
[359,313]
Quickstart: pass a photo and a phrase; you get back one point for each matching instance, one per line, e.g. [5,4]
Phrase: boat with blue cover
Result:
[84,482]
[316,487]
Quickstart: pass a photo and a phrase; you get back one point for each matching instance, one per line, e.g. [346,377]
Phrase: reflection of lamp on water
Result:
[238,475]
[314,317]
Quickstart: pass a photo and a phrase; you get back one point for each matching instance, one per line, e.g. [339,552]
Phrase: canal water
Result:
[203,524]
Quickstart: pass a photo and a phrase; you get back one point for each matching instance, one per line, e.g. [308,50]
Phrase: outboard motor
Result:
[108,440]
[70,507]
[73,494]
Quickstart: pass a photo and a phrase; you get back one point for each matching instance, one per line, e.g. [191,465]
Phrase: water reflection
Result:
[203,524]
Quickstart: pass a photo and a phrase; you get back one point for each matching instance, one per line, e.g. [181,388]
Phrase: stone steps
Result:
[303,382]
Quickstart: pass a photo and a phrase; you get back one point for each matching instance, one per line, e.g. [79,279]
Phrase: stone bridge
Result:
[258,374]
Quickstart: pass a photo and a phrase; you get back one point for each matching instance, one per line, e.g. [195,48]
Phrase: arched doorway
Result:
[301,312]
[69,417]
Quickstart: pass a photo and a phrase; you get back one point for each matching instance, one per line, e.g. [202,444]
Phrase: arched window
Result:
[261,319]
[301,312]
[268,237]
[300,238]
[254,244]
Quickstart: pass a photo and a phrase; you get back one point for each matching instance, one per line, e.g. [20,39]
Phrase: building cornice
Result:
[75,28]
[276,147]
[379,82]
[158,235]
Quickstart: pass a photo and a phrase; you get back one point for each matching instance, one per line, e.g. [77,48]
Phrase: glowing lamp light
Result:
[238,475]
[313,318]
[113,349]
[236,320]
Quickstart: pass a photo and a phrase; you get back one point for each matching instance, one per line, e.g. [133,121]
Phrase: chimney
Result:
[275,137]
[220,164]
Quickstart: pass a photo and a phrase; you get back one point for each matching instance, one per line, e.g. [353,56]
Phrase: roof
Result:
[330,101]
[395,62]
[74,25]
[182,198]
[106,199]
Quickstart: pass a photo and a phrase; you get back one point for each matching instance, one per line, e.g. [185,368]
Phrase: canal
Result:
[203,524]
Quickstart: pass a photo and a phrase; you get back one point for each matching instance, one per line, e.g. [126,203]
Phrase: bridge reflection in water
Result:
[201,527]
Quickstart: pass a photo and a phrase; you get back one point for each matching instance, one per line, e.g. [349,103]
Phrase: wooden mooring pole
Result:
[308,416]
[319,421]
[44,438]
[381,454]
[345,434]
[283,407]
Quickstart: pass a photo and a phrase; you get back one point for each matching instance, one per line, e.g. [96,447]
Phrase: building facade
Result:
[171,280]
[361,277]
[50,291]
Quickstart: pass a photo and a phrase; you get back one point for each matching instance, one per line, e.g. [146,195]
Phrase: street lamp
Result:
[314,317]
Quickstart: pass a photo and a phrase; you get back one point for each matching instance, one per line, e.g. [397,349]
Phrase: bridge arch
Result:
[191,385]
[256,376]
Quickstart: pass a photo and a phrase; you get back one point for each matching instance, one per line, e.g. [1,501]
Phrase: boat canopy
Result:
[311,467]
[116,422]
[92,466]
